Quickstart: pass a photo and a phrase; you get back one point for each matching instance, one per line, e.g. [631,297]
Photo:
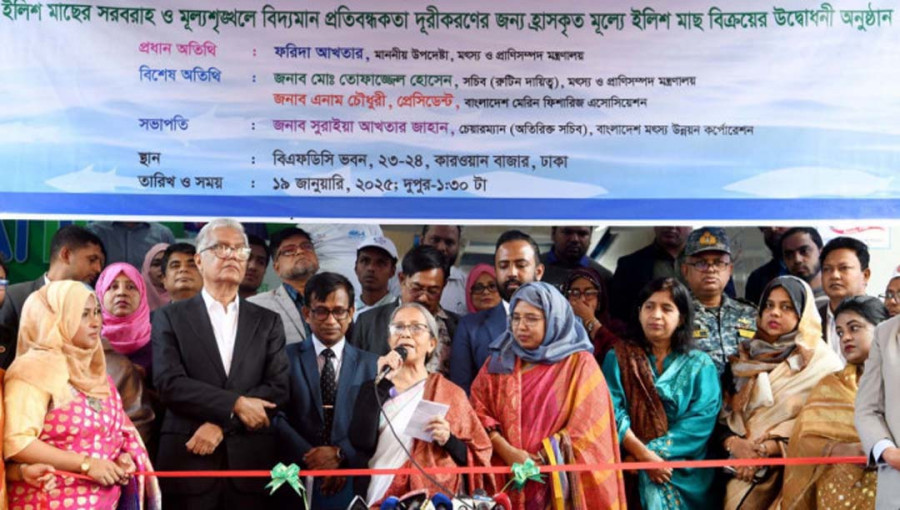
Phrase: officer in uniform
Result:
[720,322]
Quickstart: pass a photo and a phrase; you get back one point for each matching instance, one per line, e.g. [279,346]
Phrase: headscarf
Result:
[761,354]
[130,333]
[563,334]
[591,275]
[45,355]
[155,297]
[474,274]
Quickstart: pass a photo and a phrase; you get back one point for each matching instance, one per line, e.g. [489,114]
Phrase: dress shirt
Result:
[224,321]
[338,350]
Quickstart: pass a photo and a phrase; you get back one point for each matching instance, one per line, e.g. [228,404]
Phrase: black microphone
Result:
[385,370]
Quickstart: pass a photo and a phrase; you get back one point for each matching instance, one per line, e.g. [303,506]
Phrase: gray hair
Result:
[205,238]
[429,321]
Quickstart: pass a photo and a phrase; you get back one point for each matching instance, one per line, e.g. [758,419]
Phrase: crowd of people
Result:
[136,353]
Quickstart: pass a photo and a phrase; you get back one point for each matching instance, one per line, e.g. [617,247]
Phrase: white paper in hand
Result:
[425,411]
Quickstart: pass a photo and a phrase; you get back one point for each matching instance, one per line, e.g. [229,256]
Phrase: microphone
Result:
[502,502]
[441,502]
[385,370]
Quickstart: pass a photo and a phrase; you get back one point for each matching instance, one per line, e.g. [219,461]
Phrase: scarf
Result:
[46,358]
[591,274]
[476,273]
[563,333]
[648,416]
[130,333]
[155,297]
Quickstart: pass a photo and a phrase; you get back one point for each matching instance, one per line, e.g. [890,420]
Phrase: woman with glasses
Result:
[826,427]
[541,396]
[482,292]
[382,440]
[667,397]
[587,293]
[774,372]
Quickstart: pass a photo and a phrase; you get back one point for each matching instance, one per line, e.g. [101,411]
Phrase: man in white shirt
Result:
[446,239]
[376,264]
[845,272]
[220,367]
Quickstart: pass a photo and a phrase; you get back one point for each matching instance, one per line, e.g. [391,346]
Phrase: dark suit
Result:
[470,344]
[299,425]
[193,385]
[10,312]
[370,331]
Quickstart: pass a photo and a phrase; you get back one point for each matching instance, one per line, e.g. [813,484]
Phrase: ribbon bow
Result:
[282,474]
[525,471]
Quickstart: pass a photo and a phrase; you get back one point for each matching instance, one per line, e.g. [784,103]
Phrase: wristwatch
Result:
[85,465]
[340,455]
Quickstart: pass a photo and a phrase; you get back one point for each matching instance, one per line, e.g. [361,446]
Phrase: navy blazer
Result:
[299,424]
[469,350]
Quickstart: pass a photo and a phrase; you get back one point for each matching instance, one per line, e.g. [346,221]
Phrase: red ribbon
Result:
[504,470]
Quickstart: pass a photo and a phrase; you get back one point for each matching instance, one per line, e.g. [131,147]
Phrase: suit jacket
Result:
[370,332]
[878,406]
[298,426]
[194,388]
[10,312]
[281,303]
[470,344]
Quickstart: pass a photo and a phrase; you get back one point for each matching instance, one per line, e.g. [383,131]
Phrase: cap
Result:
[379,242]
[707,239]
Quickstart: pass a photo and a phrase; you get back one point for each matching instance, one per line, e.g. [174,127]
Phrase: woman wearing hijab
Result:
[587,293]
[126,313]
[482,292]
[63,410]
[541,396]
[151,272]
[774,373]
[667,397]
[826,427]
[457,439]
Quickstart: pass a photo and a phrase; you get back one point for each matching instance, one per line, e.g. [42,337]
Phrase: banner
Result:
[470,110]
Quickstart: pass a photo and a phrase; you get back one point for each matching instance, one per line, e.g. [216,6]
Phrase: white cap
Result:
[381,242]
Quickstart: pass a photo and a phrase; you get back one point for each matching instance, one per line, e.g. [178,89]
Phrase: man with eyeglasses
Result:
[220,366]
[326,373]
[891,294]
[720,322]
[294,259]
[423,275]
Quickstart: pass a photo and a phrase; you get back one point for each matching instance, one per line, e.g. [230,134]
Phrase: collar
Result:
[211,302]
[295,296]
[457,274]
[338,348]
[505,304]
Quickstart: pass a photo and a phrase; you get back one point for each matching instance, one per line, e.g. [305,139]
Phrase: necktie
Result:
[328,384]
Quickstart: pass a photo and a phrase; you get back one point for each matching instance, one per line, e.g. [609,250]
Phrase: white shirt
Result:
[224,321]
[338,349]
[454,297]
[362,307]
[834,341]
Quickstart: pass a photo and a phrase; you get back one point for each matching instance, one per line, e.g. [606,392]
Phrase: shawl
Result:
[476,272]
[45,355]
[826,420]
[645,408]
[464,424]
[130,333]
[155,297]
[563,335]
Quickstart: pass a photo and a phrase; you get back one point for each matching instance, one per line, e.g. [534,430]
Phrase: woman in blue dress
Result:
[667,397]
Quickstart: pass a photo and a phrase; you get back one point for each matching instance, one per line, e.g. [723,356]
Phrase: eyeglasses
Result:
[418,290]
[482,289]
[702,265]
[890,296]
[293,251]
[530,320]
[320,313]
[224,251]
[414,328]
[577,293]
